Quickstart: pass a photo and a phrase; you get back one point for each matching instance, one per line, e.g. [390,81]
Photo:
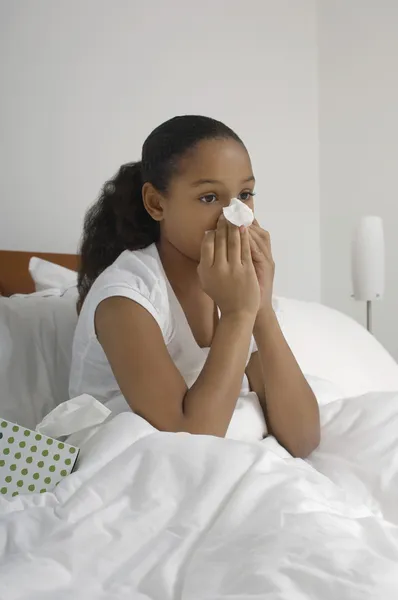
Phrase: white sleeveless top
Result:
[140,276]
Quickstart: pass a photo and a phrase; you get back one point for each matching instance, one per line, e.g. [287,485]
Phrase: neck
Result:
[181,271]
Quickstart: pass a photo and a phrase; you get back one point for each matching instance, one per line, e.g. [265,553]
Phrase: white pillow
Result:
[338,356]
[36,335]
[47,275]
[325,391]
[331,346]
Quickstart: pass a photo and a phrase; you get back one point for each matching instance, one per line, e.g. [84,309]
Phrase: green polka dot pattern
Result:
[31,462]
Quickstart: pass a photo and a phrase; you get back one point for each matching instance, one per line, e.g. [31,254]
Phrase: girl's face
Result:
[213,173]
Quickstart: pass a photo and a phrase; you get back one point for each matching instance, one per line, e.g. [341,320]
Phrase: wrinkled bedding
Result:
[151,515]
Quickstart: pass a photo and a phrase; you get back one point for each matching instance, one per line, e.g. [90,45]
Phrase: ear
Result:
[153,201]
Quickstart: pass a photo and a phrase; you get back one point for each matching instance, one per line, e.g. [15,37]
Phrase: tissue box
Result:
[31,462]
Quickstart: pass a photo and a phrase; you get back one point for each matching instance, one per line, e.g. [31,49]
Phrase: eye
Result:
[245,196]
[208,199]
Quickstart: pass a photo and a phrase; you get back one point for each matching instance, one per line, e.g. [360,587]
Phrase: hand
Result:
[260,246]
[226,269]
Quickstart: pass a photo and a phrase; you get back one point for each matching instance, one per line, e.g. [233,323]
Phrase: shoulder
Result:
[139,270]
[137,275]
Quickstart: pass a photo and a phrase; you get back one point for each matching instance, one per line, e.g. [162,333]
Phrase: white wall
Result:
[358,105]
[85,81]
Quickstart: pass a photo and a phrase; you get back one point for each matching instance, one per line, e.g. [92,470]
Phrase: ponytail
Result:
[118,221]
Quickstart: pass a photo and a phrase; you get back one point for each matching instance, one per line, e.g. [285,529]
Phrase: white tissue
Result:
[73,416]
[238,213]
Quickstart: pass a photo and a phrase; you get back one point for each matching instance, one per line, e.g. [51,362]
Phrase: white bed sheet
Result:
[152,515]
[170,516]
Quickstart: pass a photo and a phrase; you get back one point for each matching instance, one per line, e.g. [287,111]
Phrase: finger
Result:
[263,232]
[246,255]
[263,241]
[255,226]
[234,251]
[256,252]
[207,249]
[221,241]
[264,236]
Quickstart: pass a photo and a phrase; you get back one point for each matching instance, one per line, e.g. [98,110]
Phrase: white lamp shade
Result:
[367,259]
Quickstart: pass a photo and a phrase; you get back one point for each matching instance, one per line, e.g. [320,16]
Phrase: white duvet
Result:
[150,515]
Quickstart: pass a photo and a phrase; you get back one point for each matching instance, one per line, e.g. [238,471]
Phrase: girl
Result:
[171,295]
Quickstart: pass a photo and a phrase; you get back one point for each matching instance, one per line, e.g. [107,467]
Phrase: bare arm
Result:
[149,380]
[289,405]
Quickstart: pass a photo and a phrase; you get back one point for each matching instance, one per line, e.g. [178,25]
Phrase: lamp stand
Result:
[368,263]
[369,315]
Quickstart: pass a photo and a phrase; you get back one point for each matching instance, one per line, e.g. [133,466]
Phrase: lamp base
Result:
[369,315]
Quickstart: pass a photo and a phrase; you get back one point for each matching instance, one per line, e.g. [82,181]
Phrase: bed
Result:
[14,269]
[165,516]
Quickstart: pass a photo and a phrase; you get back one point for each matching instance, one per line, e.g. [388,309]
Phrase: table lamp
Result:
[367,263]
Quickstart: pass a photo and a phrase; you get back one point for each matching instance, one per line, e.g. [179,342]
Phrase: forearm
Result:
[210,402]
[289,404]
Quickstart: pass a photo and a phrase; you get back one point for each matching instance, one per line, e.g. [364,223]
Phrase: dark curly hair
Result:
[118,221]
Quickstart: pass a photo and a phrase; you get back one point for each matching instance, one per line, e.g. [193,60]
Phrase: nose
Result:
[227,202]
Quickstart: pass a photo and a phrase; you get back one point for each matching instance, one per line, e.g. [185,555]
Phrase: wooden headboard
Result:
[14,273]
